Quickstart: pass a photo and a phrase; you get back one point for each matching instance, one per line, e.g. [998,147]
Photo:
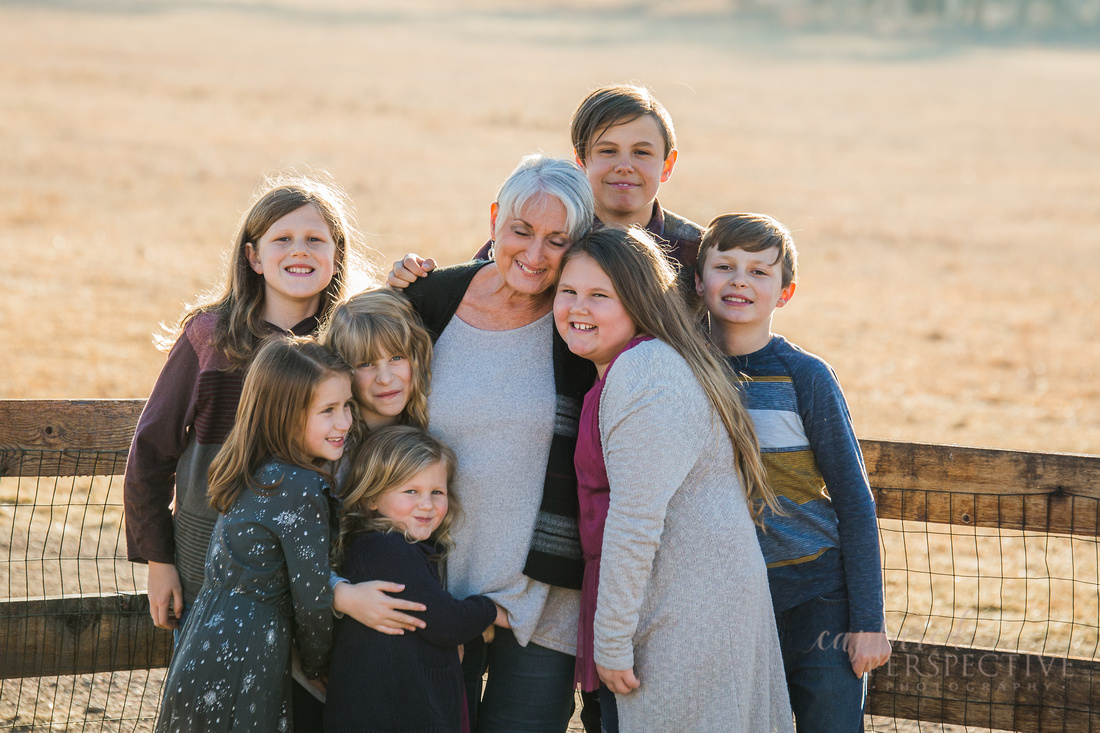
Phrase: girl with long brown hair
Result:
[676,617]
[267,569]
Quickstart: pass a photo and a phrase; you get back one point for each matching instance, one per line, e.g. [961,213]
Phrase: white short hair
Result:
[538,175]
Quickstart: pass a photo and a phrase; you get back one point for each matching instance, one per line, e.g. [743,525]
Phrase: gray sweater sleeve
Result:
[651,415]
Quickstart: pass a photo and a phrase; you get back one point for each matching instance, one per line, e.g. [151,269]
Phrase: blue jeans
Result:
[530,688]
[609,710]
[826,695]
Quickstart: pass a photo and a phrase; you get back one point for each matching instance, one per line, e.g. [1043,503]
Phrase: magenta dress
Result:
[594,495]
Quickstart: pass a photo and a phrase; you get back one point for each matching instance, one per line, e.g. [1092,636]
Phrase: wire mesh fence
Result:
[75,627]
[999,626]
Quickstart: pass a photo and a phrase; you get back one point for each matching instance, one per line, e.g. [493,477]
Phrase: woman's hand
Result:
[621,682]
[867,650]
[408,270]
[502,618]
[165,595]
[369,604]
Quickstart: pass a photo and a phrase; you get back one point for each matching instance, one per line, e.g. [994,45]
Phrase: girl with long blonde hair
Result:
[395,520]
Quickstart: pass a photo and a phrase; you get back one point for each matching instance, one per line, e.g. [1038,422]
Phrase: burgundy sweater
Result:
[185,422]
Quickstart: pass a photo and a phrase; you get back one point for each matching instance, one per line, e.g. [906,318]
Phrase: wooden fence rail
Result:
[945,484]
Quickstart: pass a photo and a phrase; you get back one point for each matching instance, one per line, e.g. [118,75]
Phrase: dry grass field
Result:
[944,196]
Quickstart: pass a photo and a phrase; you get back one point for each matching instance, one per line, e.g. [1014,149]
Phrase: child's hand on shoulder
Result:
[408,270]
[867,650]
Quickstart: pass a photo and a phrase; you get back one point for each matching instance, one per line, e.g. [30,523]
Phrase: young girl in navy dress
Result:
[676,617]
[267,572]
[396,514]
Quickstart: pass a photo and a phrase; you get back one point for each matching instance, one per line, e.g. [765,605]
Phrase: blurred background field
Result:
[941,173]
[938,161]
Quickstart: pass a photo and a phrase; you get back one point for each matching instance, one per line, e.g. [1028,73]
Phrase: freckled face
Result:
[589,315]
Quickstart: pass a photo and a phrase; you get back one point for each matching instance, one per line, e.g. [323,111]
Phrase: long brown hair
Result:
[271,416]
[241,327]
[647,287]
[382,320]
[388,458]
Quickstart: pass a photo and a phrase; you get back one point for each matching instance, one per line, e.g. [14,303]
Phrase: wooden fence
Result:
[944,683]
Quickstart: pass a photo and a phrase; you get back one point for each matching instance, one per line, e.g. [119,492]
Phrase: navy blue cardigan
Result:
[409,682]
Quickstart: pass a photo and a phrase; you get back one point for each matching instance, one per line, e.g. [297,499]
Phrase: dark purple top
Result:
[594,493]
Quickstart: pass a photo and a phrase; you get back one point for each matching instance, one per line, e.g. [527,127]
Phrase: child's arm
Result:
[491,631]
[836,450]
[449,621]
[149,484]
[371,604]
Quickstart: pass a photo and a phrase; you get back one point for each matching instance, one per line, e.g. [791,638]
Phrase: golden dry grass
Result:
[944,197]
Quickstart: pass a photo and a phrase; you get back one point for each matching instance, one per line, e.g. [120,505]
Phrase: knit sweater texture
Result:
[185,422]
[683,592]
[554,555]
[381,683]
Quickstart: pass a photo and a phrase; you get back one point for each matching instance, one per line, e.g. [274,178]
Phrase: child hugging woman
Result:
[395,519]
[676,617]
[380,335]
[267,570]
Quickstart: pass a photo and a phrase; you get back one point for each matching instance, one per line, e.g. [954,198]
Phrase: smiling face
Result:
[741,289]
[382,388]
[296,258]
[589,315]
[419,505]
[528,247]
[626,165]
[328,419]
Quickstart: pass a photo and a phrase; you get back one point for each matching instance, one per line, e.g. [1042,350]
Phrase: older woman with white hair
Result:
[506,394]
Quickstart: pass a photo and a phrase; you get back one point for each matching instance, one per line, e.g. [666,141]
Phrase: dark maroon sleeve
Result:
[160,438]
[483,253]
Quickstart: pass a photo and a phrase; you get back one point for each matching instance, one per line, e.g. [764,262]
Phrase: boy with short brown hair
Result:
[624,140]
[822,553]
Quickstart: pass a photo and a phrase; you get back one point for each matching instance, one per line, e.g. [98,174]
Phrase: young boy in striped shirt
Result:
[822,553]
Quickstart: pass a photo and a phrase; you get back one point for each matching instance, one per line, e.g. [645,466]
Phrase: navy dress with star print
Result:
[266,585]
